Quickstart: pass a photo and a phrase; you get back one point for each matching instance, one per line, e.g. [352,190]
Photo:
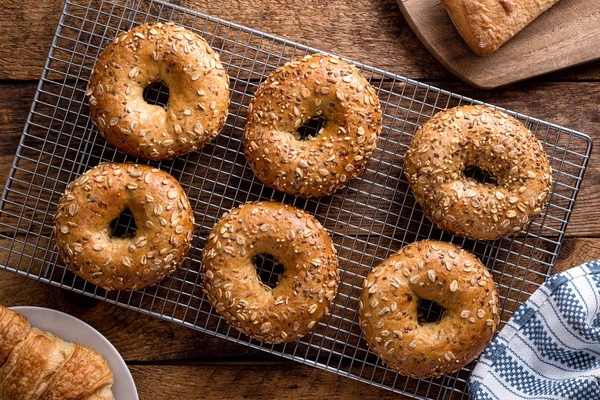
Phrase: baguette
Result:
[487,24]
[36,365]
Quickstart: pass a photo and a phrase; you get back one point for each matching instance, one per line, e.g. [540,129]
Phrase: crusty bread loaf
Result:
[487,24]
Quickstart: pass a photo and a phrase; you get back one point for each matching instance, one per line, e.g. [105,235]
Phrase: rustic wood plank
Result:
[576,251]
[36,22]
[15,102]
[277,381]
[559,38]
[373,32]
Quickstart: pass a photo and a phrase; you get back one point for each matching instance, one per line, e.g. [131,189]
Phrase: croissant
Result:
[36,365]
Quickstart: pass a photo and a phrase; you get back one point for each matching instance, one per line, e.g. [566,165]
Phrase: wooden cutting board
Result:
[566,35]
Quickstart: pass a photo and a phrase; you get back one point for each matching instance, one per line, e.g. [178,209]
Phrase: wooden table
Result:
[172,362]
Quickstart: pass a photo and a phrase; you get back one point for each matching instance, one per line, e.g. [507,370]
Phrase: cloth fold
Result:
[550,348]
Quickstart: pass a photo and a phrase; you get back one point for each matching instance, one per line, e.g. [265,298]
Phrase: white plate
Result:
[74,330]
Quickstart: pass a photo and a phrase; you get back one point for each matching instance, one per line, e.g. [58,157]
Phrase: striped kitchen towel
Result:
[550,348]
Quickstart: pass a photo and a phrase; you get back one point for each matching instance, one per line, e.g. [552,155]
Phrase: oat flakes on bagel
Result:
[437,271]
[314,86]
[163,218]
[183,61]
[460,138]
[305,289]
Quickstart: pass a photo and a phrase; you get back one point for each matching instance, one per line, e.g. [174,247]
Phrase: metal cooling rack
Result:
[369,220]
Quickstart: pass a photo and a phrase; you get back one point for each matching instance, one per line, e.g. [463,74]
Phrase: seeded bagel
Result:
[445,274]
[183,61]
[162,214]
[315,86]
[305,289]
[457,139]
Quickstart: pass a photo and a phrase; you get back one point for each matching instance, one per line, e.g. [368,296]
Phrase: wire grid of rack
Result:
[369,220]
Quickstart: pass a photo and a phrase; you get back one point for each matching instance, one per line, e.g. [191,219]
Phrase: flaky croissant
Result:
[36,365]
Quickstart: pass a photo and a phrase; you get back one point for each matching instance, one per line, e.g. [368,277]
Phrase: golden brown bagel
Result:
[436,271]
[300,90]
[477,136]
[182,60]
[162,214]
[305,289]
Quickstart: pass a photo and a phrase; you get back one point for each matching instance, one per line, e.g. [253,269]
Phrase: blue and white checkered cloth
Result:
[550,348]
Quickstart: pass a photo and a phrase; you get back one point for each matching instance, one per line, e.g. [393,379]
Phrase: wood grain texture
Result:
[373,32]
[29,27]
[564,36]
[271,381]
[382,38]
[189,364]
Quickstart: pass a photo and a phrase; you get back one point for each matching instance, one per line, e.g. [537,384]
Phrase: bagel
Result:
[162,214]
[436,271]
[457,139]
[315,86]
[305,289]
[183,61]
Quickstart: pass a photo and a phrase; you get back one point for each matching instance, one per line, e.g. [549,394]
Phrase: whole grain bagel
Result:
[305,289]
[445,274]
[162,214]
[457,139]
[315,86]
[182,60]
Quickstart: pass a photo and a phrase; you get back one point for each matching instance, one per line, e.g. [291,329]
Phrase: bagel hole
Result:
[478,174]
[312,128]
[429,311]
[123,226]
[269,269]
[157,94]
